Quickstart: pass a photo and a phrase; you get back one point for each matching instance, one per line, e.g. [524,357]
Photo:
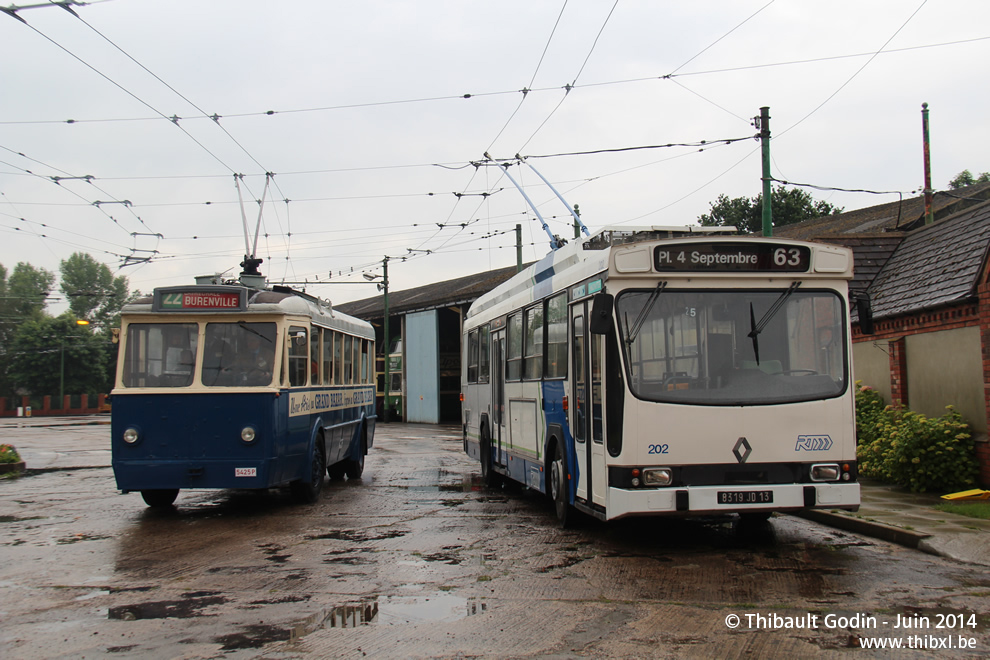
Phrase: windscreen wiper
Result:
[643,314]
[757,328]
[245,327]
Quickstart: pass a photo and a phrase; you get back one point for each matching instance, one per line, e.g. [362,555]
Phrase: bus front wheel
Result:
[310,492]
[160,499]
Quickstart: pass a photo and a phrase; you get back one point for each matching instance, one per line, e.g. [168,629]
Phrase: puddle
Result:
[189,607]
[253,637]
[400,610]
[10,519]
[359,535]
[80,537]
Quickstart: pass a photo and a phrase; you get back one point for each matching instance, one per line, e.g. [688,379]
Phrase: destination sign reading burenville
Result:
[199,299]
[722,257]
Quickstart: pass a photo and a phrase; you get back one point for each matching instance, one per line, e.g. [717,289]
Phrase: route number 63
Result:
[787,257]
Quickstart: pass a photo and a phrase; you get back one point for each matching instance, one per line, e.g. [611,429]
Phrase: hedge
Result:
[902,447]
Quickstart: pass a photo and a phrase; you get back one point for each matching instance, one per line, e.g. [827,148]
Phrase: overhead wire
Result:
[551,88]
[525,90]
[856,73]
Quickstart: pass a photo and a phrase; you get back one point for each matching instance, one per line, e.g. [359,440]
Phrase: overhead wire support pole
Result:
[387,385]
[554,241]
[577,218]
[767,178]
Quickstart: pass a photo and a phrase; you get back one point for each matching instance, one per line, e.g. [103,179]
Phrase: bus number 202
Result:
[658,449]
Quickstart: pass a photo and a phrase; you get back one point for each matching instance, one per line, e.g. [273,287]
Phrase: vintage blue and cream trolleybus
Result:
[238,385]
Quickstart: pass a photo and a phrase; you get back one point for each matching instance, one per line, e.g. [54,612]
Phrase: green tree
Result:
[788,205]
[966,178]
[93,292]
[96,295]
[53,355]
[23,296]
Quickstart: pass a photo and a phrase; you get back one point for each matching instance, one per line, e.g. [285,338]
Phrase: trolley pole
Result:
[929,214]
[767,191]
[388,343]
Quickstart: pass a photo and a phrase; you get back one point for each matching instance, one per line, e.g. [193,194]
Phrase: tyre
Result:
[559,488]
[336,471]
[160,499]
[491,478]
[353,468]
[309,492]
[755,517]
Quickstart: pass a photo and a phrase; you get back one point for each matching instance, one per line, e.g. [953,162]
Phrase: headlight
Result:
[247,434]
[131,435]
[826,472]
[657,477]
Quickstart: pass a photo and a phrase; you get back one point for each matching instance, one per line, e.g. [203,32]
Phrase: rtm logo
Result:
[813,443]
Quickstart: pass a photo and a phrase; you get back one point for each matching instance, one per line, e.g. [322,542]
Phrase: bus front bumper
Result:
[717,500]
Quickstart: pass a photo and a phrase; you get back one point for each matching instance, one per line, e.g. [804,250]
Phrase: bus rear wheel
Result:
[558,488]
[354,467]
[310,492]
[160,499]
[491,478]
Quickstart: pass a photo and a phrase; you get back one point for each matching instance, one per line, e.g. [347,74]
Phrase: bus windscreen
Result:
[733,347]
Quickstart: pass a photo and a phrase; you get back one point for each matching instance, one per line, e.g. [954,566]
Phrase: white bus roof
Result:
[584,257]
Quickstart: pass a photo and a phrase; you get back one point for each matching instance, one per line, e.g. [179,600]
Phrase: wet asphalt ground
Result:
[417,559]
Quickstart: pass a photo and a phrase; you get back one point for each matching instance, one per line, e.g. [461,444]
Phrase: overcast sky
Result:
[361,111]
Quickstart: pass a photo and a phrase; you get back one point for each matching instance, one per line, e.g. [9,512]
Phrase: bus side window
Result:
[314,356]
[472,357]
[348,360]
[298,356]
[556,334]
[513,367]
[365,361]
[484,359]
[327,356]
[338,358]
[534,343]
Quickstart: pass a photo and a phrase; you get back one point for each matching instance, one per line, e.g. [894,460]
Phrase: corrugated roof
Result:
[892,216]
[936,265]
[431,296]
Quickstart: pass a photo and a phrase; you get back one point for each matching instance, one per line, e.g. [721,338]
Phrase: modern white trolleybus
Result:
[668,370]
[239,385]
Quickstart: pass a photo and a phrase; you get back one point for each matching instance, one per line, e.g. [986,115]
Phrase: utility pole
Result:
[577,225]
[518,248]
[929,213]
[764,126]
[388,344]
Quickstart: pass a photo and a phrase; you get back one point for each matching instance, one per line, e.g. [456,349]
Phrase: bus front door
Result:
[586,409]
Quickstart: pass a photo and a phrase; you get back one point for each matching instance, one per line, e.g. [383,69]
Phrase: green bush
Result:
[9,455]
[907,448]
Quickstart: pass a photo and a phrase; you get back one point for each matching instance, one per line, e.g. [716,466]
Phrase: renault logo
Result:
[742,450]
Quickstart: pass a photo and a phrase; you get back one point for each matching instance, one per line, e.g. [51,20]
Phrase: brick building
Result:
[930,289]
